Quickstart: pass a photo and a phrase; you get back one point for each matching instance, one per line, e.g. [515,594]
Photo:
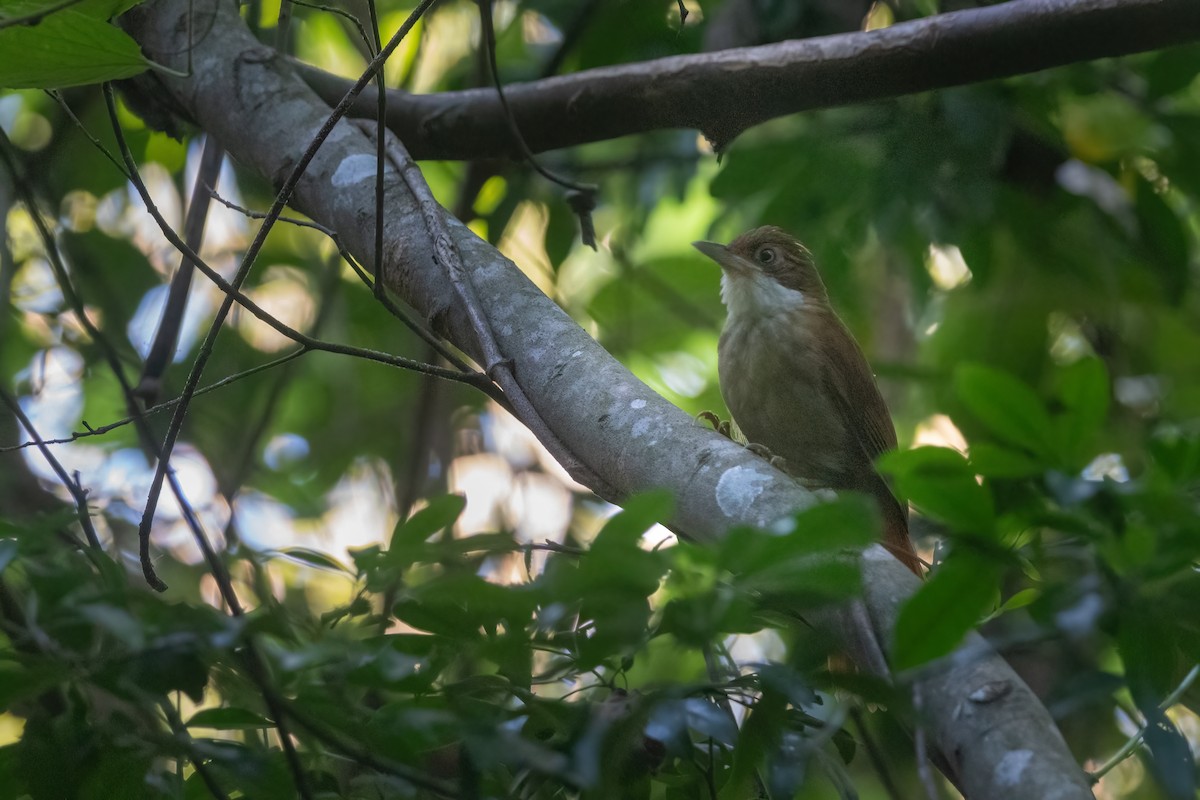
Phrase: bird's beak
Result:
[720,253]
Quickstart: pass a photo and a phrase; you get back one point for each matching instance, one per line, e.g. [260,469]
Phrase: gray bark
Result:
[981,718]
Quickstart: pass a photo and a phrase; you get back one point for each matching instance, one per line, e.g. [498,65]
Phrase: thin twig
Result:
[922,746]
[875,756]
[1135,741]
[99,145]
[580,196]
[496,366]
[78,493]
[353,20]
[198,763]
[380,155]
[420,330]
[364,756]
[166,338]
[163,406]
[216,567]
[570,37]
[476,380]
[206,348]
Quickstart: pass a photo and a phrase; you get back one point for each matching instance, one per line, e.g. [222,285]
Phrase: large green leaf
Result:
[408,540]
[1009,408]
[228,719]
[935,619]
[940,483]
[74,46]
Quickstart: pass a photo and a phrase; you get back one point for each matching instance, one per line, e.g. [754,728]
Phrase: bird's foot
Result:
[719,425]
[762,451]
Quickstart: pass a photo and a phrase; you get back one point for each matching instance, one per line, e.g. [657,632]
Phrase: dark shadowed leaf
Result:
[441,512]
[1084,391]
[1166,242]
[228,719]
[1009,408]
[940,483]
[314,558]
[997,461]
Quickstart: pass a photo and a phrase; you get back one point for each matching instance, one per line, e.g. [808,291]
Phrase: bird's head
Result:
[766,272]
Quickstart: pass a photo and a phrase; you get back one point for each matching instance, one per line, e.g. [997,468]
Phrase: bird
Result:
[795,380]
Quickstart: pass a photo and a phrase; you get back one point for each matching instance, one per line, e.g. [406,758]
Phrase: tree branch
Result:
[980,716]
[725,93]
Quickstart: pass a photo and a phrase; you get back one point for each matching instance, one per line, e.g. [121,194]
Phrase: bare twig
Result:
[922,746]
[380,155]
[166,338]
[420,330]
[72,485]
[580,196]
[206,348]
[875,756]
[185,738]
[163,406]
[1131,746]
[495,364]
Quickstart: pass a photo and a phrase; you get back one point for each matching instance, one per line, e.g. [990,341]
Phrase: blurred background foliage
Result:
[1018,259]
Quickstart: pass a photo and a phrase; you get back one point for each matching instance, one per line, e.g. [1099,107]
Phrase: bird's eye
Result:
[765,255]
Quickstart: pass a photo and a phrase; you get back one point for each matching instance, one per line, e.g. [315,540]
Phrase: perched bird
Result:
[795,380]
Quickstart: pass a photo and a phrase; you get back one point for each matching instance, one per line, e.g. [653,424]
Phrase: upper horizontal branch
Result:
[724,93]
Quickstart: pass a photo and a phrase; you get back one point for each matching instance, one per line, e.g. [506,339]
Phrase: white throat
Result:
[758,295]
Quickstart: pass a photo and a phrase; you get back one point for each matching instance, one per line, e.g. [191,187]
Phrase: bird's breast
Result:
[771,376]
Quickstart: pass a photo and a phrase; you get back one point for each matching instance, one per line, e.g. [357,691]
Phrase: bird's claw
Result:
[762,451]
[719,425]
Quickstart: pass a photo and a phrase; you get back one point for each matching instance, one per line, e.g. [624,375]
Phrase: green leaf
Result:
[1020,599]
[1177,453]
[438,515]
[71,47]
[850,521]
[1011,410]
[805,565]
[1172,70]
[1172,760]
[1084,390]
[117,621]
[228,719]
[939,482]
[996,461]
[1166,242]
[18,682]
[640,513]
[315,558]
[1146,642]
[935,619]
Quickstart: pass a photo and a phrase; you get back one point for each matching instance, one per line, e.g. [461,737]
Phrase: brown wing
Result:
[869,432]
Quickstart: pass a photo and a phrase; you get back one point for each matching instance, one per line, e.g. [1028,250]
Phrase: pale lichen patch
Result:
[354,169]
[738,488]
[1011,768]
